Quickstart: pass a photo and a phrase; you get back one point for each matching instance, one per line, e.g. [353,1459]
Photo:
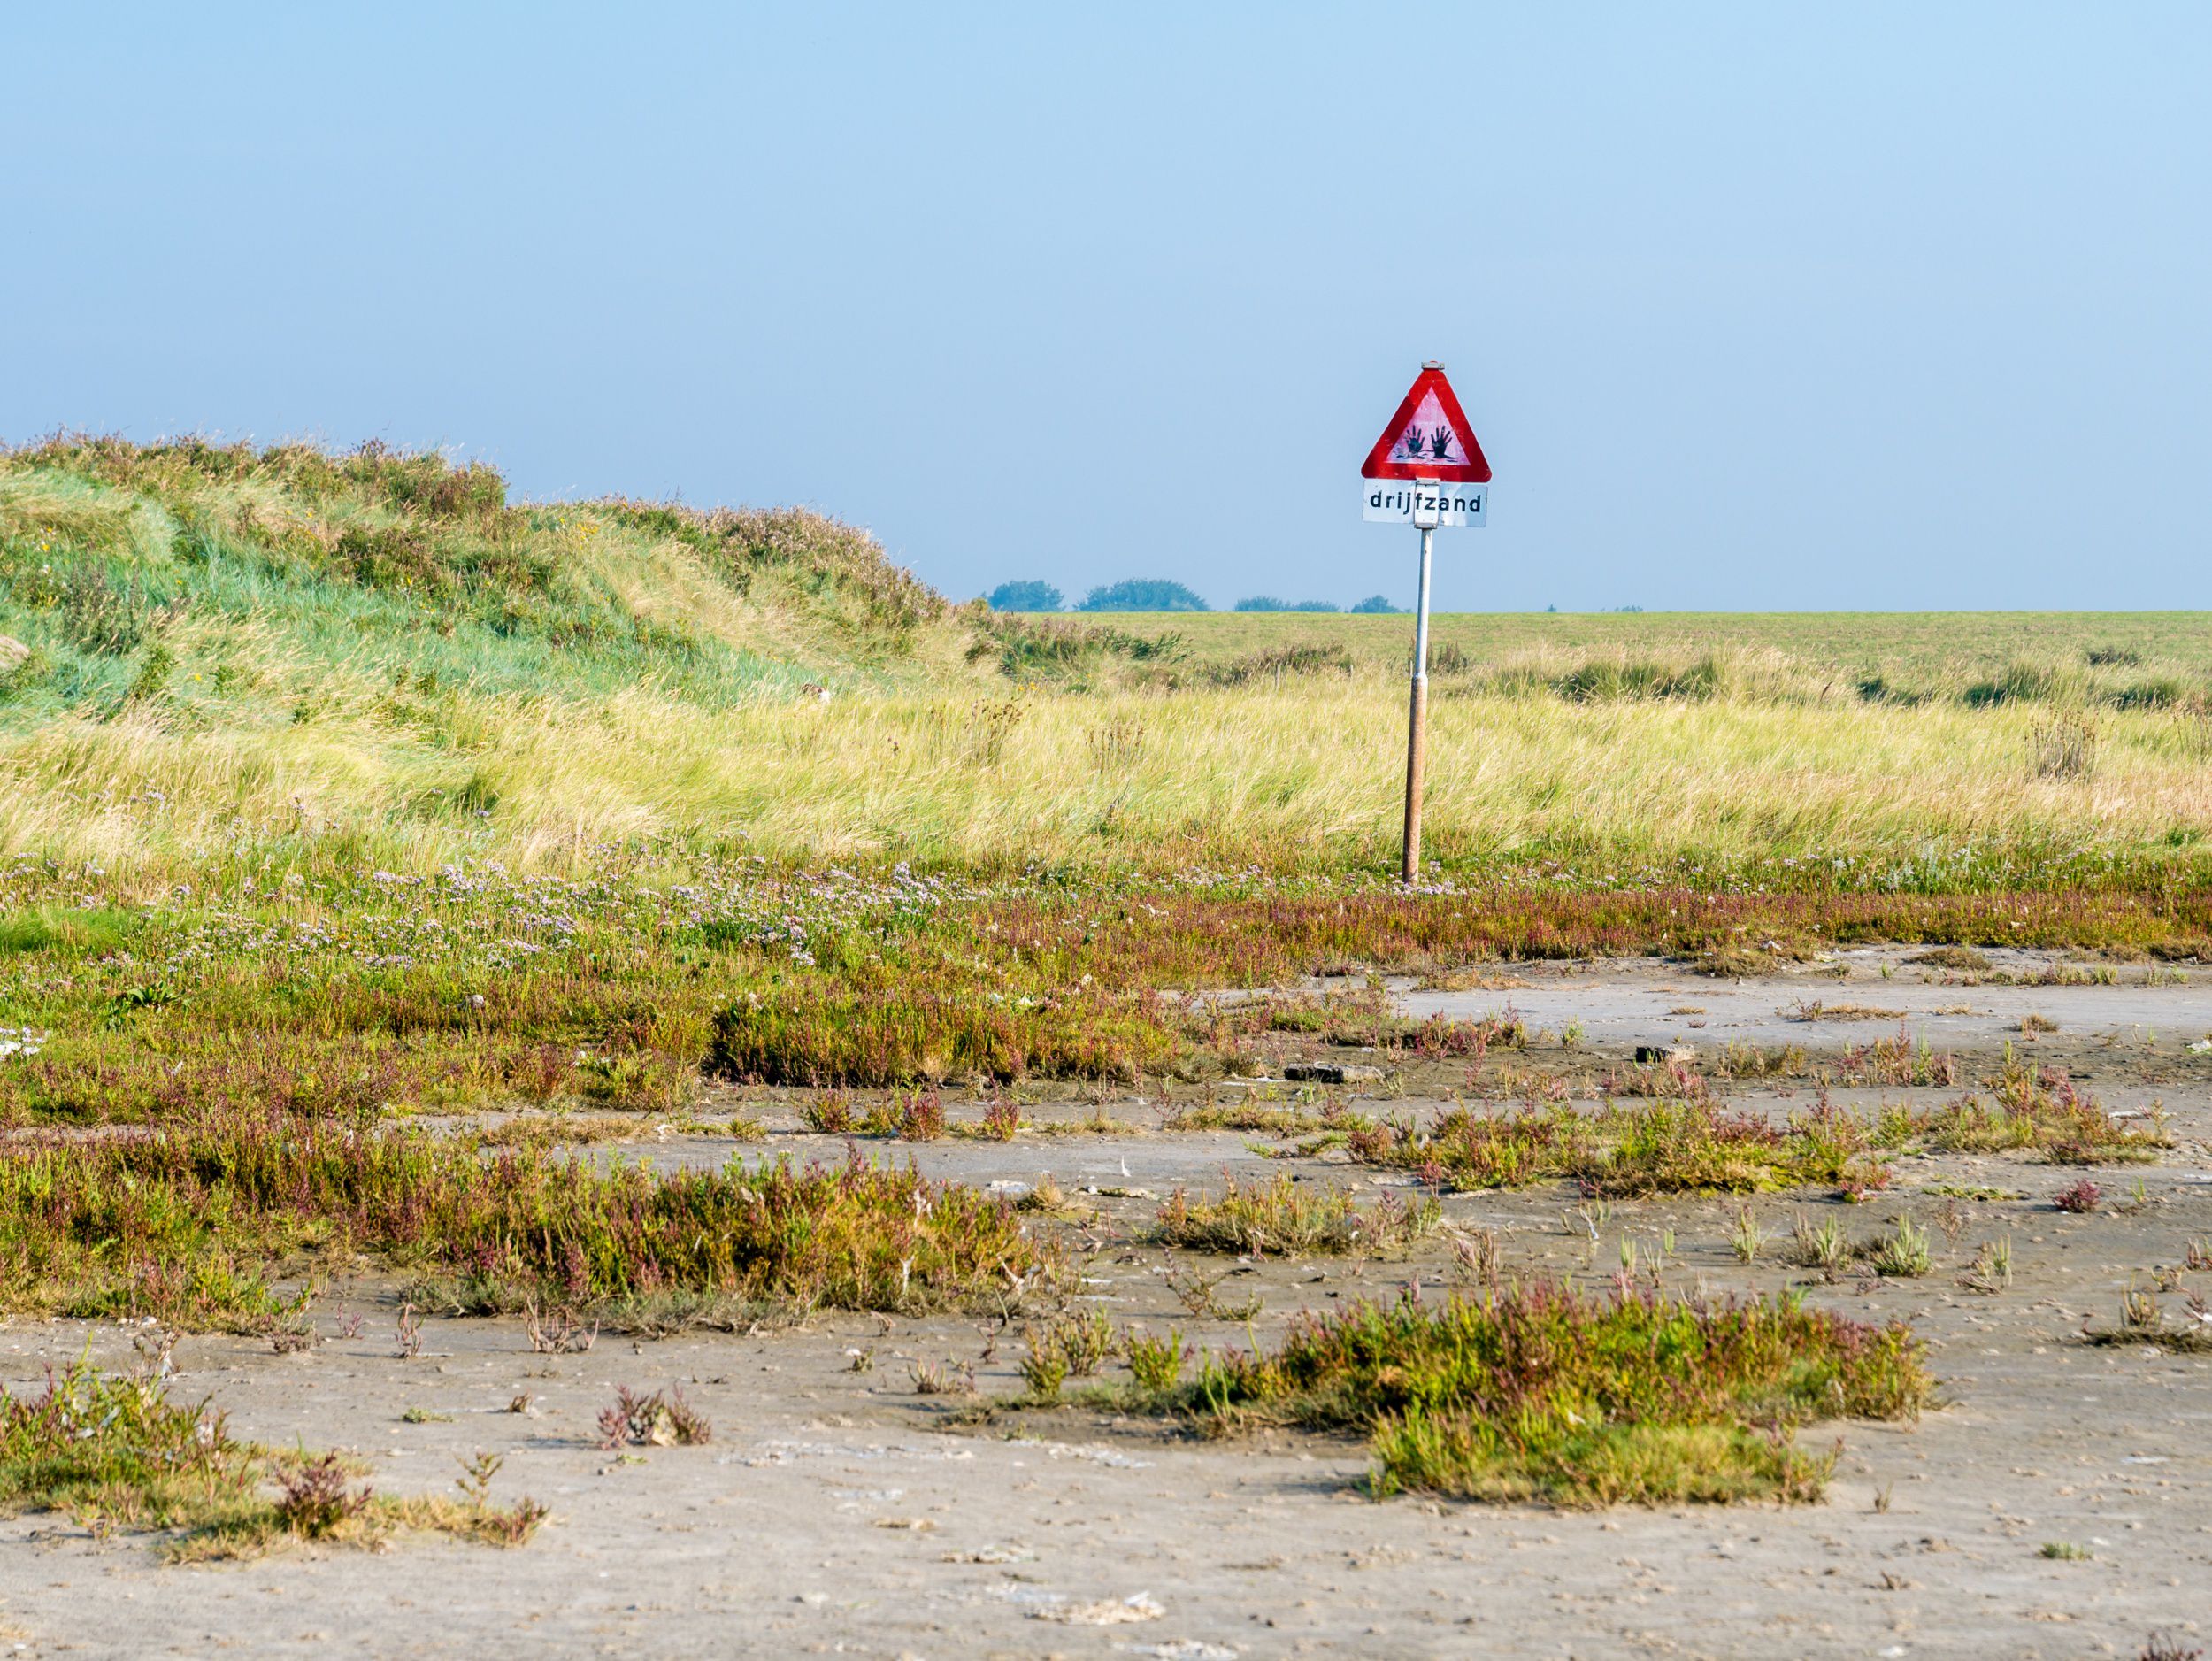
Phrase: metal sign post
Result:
[1418,716]
[1429,445]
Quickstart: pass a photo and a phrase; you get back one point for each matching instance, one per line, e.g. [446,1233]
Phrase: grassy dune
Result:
[302,662]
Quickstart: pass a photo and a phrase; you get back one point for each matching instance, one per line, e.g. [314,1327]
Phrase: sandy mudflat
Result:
[836,1512]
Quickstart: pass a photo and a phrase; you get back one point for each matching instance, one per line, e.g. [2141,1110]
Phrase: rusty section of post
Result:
[1417,724]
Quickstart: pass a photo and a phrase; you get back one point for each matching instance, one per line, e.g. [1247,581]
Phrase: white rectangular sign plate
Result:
[1392,501]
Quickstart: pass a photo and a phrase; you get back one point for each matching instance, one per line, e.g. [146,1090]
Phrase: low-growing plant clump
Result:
[2081,1197]
[2143,1320]
[1073,1344]
[659,1419]
[116,1450]
[1541,1393]
[1286,1217]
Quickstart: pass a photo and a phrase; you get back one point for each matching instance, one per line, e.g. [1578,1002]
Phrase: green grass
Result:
[282,582]
[109,1447]
[1288,1218]
[195,1225]
[117,1451]
[1540,1393]
[1941,653]
[65,932]
[354,992]
[1637,1147]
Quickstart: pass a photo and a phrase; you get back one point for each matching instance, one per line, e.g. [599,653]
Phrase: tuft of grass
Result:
[1903,1252]
[1818,1010]
[2080,1197]
[1200,1293]
[315,1500]
[1964,958]
[937,1378]
[2063,745]
[2142,1322]
[1825,1247]
[1991,1271]
[1286,1217]
[1072,1345]
[662,1419]
[1747,1238]
[1155,1364]
[1542,1393]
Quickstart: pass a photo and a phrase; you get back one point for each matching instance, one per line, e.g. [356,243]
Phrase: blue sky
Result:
[1753,306]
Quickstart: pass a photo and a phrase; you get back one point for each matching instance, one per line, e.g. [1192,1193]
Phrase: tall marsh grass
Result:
[190,1224]
[1299,780]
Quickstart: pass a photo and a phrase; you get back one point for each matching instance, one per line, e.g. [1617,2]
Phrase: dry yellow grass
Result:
[1301,777]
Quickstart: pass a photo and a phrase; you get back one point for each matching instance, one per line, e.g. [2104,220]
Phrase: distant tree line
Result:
[1154,594]
[1024,596]
[1142,594]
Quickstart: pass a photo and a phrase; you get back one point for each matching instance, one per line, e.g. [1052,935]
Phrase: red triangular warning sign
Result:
[1428,438]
